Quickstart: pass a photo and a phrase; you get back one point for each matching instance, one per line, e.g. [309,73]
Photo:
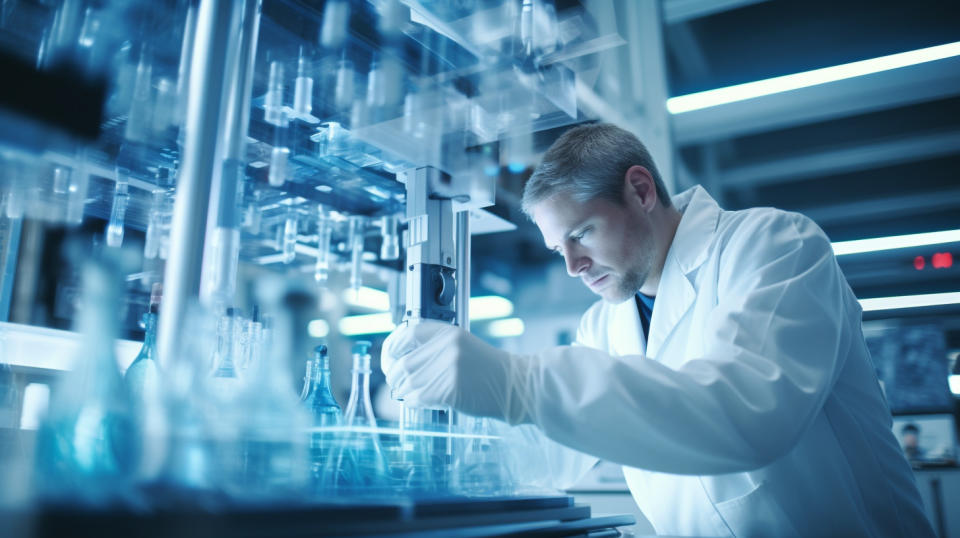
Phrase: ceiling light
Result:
[366,324]
[505,328]
[759,88]
[954,384]
[896,241]
[910,301]
[481,308]
[365,297]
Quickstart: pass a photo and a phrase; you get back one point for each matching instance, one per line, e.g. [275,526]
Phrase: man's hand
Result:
[432,364]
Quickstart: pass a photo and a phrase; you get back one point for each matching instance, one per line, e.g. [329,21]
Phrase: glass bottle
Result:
[317,395]
[324,412]
[87,449]
[142,379]
[272,446]
[141,376]
[360,464]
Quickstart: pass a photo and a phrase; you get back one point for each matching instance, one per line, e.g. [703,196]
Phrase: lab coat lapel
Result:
[676,298]
[627,330]
[688,251]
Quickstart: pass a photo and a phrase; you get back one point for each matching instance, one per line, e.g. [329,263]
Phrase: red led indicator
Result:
[919,263]
[942,260]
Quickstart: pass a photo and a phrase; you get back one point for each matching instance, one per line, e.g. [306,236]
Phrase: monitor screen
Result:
[911,362]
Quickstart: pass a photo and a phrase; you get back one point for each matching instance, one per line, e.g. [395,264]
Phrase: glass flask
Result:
[197,432]
[224,382]
[142,379]
[324,412]
[270,460]
[359,465]
[87,448]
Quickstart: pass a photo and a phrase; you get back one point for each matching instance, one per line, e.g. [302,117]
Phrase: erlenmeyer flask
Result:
[360,466]
[142,379]
[272,441]
[87,447]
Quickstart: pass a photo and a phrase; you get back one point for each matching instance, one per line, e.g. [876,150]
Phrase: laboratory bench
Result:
[506,516]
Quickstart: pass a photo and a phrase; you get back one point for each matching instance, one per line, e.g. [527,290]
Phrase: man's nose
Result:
[576,263]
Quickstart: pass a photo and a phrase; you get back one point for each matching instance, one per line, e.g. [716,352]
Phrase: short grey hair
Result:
[589,162]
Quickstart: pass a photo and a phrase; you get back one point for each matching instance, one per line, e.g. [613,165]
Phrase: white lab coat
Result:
[754,408]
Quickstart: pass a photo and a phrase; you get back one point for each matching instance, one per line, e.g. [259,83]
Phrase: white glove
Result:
[434,364]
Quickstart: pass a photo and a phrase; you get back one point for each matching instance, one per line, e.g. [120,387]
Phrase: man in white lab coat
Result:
[724,367]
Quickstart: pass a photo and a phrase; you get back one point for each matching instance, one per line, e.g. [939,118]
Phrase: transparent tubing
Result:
[303,88]
[118,212]
[321,271]
[290,237]
[221,261]
[276,114]
[357,225]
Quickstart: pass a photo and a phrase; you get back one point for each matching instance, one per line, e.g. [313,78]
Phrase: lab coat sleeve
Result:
[536,460]
[772,351]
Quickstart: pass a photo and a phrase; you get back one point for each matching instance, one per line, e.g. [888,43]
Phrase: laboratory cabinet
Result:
[211,214]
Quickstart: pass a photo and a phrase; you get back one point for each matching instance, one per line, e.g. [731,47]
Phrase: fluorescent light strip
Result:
[910,301]
[365,297]
[897,241]
[954,381]
[750,90]
[490,307]
[366,324]
[505,328]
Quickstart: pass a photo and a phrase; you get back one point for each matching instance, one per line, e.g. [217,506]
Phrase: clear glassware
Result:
[225,382]
[271,458]
[321,270]
[142,376]
[303,88]
[359,464]
[357,229]
[142,379]
[198,436]
[118,212]
[87,449]
[289,246]
[324,413]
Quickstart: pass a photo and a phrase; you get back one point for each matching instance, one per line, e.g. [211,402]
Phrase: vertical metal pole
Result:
[463,269]
[222,250]
[217,22]
[9,247]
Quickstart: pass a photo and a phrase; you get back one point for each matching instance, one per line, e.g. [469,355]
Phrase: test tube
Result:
[290,237]
[344,89]
[118,213]
[526,27]
[303,90]
[336,20]
[276,114]
[140,115]
[376,85]
[77,190]
[321,271]
[273,101]
[151,242]
[165,112]
[390,248]
[357,225]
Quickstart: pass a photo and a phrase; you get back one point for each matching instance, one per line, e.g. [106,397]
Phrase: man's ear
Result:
[639,184]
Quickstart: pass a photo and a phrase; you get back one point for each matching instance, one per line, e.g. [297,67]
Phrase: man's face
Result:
[605,244]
